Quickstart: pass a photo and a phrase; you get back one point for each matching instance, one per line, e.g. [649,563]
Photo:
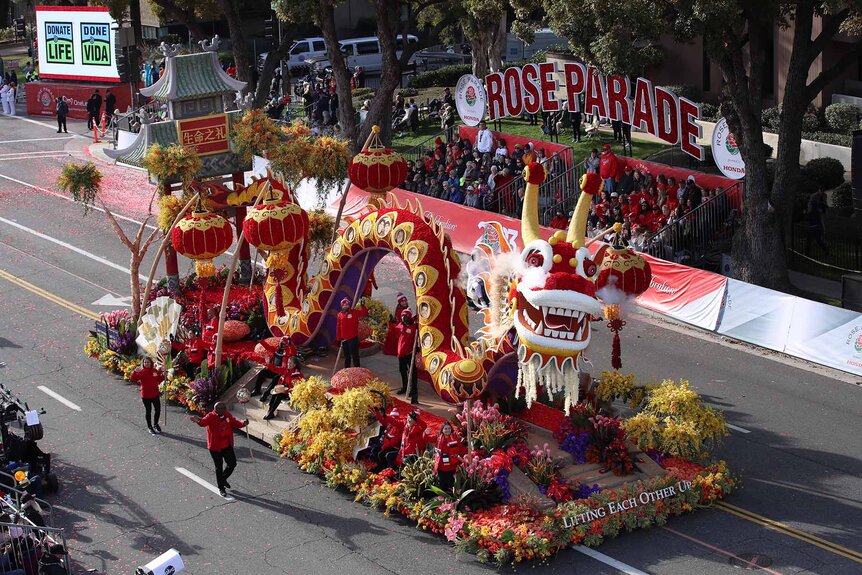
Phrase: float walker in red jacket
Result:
[220,425]
[447,456]
[347,332]
[413,439]
[149,378]
[276,365]
[407,339]
[393,428]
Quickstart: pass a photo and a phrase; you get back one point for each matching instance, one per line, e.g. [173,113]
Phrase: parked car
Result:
[363,52]
[301,51]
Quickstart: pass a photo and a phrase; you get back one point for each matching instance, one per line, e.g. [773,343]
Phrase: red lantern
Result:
[377,169]
[275,225]
[202,236]
[625,270]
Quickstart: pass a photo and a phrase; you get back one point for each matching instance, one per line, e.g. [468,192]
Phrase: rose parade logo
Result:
[731,144]
[45,97]
[470,96]
[858,344]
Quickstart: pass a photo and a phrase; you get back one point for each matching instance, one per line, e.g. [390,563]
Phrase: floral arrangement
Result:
[613,385]
[350,377]
[254,133]
[377,319]
[82,181]
[675,421]
[169,208]
[321,226]
[491,428]
[308,394]
[172,163]
[206,390]
[609,445]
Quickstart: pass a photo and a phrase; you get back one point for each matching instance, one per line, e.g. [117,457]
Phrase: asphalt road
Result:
[123,501]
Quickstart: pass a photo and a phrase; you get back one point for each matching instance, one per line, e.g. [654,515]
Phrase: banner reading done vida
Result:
[76,43]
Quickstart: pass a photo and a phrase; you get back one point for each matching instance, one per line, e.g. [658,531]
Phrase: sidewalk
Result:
[815,285]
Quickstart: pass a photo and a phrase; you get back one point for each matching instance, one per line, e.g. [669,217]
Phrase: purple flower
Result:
[501,478]
[576,444]
[207,391]
[583,491]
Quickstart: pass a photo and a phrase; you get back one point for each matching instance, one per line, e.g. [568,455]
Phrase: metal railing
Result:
[824,249]
[698,238]
[420,150]
[24,545]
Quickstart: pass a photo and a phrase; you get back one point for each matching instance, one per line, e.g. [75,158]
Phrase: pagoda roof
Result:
[166,134]
[192,76]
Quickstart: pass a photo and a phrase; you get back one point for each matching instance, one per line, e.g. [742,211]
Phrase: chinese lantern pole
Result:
[159,255]
[223,311]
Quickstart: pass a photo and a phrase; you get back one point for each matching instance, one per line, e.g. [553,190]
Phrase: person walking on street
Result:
[94,106]
[220,425]
[149,378]
[347,332]
[110,105]
[62,111]
[51,563]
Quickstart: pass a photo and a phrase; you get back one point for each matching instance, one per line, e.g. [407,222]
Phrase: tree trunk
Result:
[346,111]
[135,282]
[480,46]
[497,48]
[241,56]
[273,58]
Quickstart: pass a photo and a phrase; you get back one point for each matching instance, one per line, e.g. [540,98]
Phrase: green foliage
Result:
[772,117]
[841,118]
[829,138]
[542,55]
[842,199]
[363,93]
[408,92]
[811,122]
[709,111]
[418,477]
[445,76]
[825,172]
[82,181]
[684,91]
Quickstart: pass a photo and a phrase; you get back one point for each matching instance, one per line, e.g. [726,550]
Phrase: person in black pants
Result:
[407,341]
[576,125]
[94,106]
[62,112]
[220,425]
[110,105]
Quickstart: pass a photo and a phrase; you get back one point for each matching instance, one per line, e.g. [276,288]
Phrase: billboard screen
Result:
[76,43]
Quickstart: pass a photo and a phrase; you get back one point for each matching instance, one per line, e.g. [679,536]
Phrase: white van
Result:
[301,51]
[363,52]
[542,40]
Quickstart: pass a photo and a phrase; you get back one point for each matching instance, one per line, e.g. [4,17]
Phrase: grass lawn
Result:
[640,147]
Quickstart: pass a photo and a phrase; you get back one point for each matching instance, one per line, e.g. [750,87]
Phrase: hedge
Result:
[825,172]
[829,138]
[841,118]
[445,76]
[842,199]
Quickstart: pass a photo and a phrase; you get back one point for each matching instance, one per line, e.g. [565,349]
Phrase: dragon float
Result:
[538,307]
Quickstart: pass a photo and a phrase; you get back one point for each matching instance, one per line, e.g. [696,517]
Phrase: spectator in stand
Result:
[680,192]
[559,221]
[445,190]
[592,163]
[627,181]
[608,168]
[502,151]
[693,191]
[518,152]
[472,199]
[484,139]
[149,378]
[457,195]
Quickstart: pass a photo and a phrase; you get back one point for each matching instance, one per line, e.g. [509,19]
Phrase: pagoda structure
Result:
[196,93]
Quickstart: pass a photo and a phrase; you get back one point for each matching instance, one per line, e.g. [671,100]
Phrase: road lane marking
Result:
[70,247]
[36,140]
[52,126]
[60,398]
[49,296]
[737,428]
[749,564]
[601,557]
[202,482]
[785,529]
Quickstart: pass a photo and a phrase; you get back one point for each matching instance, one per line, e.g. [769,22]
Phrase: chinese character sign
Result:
[207,135]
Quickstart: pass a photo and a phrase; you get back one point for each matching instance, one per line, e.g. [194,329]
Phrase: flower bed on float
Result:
[480,515]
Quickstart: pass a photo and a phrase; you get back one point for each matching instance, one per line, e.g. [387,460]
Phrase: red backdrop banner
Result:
[42,97]
[551,148]
[703,180]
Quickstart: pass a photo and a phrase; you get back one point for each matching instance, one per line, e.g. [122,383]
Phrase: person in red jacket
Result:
[347,332]
[609,168]
[149,378]
[390,345]
[447,456]
[559,221]
[220,425]
[291,375]
[413,439]
[393,427]
[407,340]
[276,365]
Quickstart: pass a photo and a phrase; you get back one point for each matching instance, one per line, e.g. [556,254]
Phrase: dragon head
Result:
[555,294]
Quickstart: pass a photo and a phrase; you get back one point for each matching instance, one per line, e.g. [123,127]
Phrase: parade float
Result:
[552,455]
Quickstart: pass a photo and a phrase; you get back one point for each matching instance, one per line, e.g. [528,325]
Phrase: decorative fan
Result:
[158,325]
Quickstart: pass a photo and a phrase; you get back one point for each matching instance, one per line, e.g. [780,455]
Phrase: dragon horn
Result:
[578,226]
[534,174]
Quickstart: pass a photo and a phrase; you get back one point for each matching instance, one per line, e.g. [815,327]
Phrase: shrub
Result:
[445,76]
[408,92]
[771,117]
[811,122]
[684,91]
[826,172]
[841,118]
[842,199]
[363,93]
[829,138]
[709,111]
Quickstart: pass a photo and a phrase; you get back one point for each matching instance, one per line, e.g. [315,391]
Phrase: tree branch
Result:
[116,225]
[830,28]
[826,76]
[140,233]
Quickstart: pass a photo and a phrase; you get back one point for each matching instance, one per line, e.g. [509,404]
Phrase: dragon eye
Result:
[590,268]
[536,260]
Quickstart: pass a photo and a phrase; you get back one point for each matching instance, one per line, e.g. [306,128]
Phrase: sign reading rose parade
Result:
[207,135]
[76,43]
[470,99]
[655,110]
[725,151]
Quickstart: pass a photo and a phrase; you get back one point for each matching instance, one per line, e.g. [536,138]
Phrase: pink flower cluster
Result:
[480,414]
[114,318]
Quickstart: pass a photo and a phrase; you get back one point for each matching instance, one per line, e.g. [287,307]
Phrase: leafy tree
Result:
[624,39]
